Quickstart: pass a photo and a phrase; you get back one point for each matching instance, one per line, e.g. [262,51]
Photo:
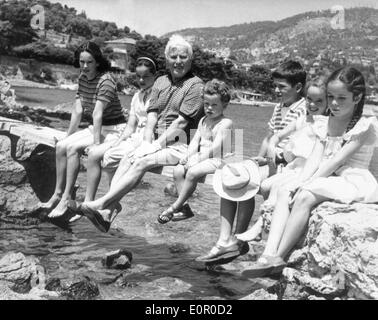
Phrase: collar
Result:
[292,106]
[146,91]
[188,75]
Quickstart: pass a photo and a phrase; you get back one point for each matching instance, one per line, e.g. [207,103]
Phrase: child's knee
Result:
[61,147]
[305,198]
[94,155]
[73,149]
[192,175]
[265,187]
[178,171]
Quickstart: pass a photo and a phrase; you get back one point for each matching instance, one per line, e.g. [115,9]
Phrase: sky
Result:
[157,17]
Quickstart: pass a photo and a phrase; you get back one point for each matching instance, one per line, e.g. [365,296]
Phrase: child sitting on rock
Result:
[204,152]
[337,169]
[295,153]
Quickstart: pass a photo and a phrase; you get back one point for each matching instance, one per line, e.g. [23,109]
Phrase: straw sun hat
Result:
[238,181]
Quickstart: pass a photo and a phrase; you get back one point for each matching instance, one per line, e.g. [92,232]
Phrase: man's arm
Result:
[177,128]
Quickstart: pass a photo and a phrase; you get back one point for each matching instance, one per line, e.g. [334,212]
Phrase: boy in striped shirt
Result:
[289,81]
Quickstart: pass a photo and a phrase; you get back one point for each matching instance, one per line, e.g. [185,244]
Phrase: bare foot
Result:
[253,233]
[60,210]
[51,204]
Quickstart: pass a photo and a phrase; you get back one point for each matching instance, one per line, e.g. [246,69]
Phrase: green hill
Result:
[304,35]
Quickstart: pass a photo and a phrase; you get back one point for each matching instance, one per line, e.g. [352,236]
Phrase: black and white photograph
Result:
[194,155]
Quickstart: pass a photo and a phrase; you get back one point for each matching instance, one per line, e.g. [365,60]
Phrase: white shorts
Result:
[109,133]
[113,156]
[177,150]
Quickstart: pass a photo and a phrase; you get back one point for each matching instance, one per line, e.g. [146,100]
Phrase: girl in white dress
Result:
[337,169]
[296,151]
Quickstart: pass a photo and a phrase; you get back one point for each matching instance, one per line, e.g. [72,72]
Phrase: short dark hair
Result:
[95,51]
[147,62]
[218,87]
[292,71]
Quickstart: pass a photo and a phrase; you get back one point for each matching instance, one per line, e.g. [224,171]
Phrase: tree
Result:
[79,26]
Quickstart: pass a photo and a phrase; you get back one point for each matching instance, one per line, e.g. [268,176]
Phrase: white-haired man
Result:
[175,108]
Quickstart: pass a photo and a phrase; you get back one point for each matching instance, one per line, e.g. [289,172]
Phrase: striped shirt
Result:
[279,122]
[171,99]
[102,88]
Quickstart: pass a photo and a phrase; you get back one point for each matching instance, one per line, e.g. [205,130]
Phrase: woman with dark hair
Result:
[97,98]
[337,169]
[112,152]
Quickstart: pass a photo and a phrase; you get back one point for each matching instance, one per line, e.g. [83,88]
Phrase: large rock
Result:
[27,175]
[340,256]
[118,259]
[21,273]
[75,288]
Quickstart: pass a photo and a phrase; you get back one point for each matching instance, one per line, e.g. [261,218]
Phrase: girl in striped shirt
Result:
[96,99]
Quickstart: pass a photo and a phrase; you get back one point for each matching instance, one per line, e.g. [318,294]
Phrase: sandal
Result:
[167,215]
[219,252]
[185,213]
[265,266]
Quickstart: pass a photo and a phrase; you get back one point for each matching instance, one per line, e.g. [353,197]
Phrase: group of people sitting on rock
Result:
[318,148]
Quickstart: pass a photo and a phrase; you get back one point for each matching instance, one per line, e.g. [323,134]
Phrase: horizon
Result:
[187,14]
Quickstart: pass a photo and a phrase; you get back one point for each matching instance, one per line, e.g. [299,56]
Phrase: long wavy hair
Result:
[355,83]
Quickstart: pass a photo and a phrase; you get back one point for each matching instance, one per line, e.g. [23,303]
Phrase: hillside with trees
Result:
[242,55]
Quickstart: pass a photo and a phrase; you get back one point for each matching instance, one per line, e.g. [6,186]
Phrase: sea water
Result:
[162,266]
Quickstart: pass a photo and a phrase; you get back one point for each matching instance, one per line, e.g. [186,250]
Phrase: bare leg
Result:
[271,184]
[277,184]
[74,151]
[131,178]
[190,183]
[179,177]
[227,211]
[61,167]
[123,167]
[245,212]
[279,220]
[110,174]
[116,159]
[94,169]
[298,221]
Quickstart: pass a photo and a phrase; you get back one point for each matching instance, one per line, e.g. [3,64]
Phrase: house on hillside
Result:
[58,39]
[121,48]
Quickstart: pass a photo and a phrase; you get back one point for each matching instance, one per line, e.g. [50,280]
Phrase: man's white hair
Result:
[176,41]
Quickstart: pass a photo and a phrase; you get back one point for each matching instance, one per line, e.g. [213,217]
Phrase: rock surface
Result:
[21,273]
[341,248]
[77,288]
[23,278]
[338,260]
[118,259]
[22,163]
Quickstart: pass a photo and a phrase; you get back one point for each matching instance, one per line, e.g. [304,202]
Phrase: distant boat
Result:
[251,99]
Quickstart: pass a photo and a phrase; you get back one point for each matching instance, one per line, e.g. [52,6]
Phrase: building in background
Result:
[120,57]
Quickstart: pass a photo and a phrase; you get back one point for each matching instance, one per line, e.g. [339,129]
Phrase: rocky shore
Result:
[338,259]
